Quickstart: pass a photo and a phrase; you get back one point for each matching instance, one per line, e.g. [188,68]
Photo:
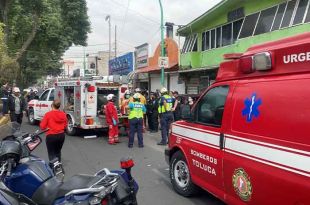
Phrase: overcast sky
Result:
[138,22]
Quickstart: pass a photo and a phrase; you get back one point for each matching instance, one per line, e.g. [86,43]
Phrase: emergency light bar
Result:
[259,61]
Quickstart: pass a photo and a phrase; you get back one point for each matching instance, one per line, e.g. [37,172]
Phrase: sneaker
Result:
[130,146]
[141,146]
[161,143]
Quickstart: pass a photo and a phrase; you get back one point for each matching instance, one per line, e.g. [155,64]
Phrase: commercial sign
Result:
[163,62]
[121,65]
[142,55]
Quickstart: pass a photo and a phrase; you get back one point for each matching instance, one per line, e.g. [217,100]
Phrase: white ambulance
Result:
[82,99]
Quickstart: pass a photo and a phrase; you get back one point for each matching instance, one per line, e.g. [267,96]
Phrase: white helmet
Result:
[137,96]
[16,90]
[163,90]
[137,90]
[110,97]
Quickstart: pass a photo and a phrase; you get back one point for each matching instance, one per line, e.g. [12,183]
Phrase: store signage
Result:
[142,55]
[163,62]
[121,65]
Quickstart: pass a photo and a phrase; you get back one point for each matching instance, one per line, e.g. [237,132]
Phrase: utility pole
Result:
[162,54]
[108,18]
[84,61]
[115,42]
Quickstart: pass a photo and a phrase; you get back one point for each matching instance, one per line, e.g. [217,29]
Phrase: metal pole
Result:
[84,63]
[162,42]
[115,42]
[109,38]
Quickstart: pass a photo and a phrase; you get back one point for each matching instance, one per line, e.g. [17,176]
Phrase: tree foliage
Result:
[38,32]
[8,67]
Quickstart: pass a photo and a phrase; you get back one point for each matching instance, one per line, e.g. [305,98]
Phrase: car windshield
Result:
[9,129]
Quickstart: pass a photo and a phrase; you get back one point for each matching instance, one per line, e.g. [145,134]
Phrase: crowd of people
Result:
[149,110]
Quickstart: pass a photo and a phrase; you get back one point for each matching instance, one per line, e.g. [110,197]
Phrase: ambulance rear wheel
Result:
[31,119]
[180,176]
[71,130]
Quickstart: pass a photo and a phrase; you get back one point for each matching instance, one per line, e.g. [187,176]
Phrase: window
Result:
[300,12]
[210,108]
[248,25]
[212,43]
[194,46]
[288,14]
[44,95]
[227,34]
[218,37]
[265,20]
[185,44]
[279,16]
[308,15]
[236,29]
[203,45]
[207,40]
[51,97]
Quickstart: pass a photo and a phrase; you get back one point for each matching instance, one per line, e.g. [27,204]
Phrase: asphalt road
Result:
[151,171]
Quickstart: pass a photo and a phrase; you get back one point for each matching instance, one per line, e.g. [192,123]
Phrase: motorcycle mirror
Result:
[127,162]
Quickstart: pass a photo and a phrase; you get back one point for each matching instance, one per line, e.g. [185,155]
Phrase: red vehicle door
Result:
[202,139]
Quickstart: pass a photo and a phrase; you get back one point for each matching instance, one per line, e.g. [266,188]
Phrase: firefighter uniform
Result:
[136,111]
[166,115]
[112,120]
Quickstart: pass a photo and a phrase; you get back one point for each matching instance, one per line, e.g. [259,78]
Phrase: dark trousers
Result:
[153,121]
[4,106]
[16,118]
[54,144]
[135,125]
[165,121]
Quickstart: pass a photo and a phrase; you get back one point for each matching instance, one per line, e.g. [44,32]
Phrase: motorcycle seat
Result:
[52,189]
[77,182]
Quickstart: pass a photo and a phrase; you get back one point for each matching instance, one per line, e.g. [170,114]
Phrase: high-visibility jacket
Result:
[136,110]
[165,107]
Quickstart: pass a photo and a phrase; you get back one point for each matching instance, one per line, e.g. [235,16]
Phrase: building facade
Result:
[232,26]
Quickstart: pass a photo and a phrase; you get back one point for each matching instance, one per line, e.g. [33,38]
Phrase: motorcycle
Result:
[25,174]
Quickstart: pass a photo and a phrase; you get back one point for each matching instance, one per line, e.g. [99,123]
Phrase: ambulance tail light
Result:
[89,121]
[246,64]
[262,61]
[91,89]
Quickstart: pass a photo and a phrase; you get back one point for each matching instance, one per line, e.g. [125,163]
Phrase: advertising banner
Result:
[121,65]
[142,55]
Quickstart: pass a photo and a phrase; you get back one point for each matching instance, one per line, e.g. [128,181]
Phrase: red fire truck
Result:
[246,140]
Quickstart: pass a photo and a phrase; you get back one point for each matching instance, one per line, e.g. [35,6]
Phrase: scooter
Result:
[33,178]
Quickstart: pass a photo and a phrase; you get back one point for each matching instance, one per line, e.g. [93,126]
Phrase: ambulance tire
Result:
[180,176]
[31,119]
[71,130]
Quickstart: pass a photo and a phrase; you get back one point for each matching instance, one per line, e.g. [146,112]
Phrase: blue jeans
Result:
[165,122]
[135,125]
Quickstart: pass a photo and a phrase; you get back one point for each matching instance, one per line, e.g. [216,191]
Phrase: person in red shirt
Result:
[56,121]
[112,119]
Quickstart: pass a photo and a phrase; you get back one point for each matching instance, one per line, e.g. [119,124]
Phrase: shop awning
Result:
[172,66]
[197,69]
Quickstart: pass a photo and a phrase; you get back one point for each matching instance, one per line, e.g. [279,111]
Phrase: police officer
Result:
[152,113]
[136,111]
[166,114]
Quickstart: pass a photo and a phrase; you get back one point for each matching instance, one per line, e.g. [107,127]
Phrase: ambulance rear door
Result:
[90,102]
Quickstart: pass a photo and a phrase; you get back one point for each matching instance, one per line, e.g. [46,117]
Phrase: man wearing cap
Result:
[166,116]
[136,112]
[16,106]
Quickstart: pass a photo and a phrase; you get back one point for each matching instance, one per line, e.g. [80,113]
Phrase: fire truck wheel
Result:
[31,119]
[71,130]
[180,176]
